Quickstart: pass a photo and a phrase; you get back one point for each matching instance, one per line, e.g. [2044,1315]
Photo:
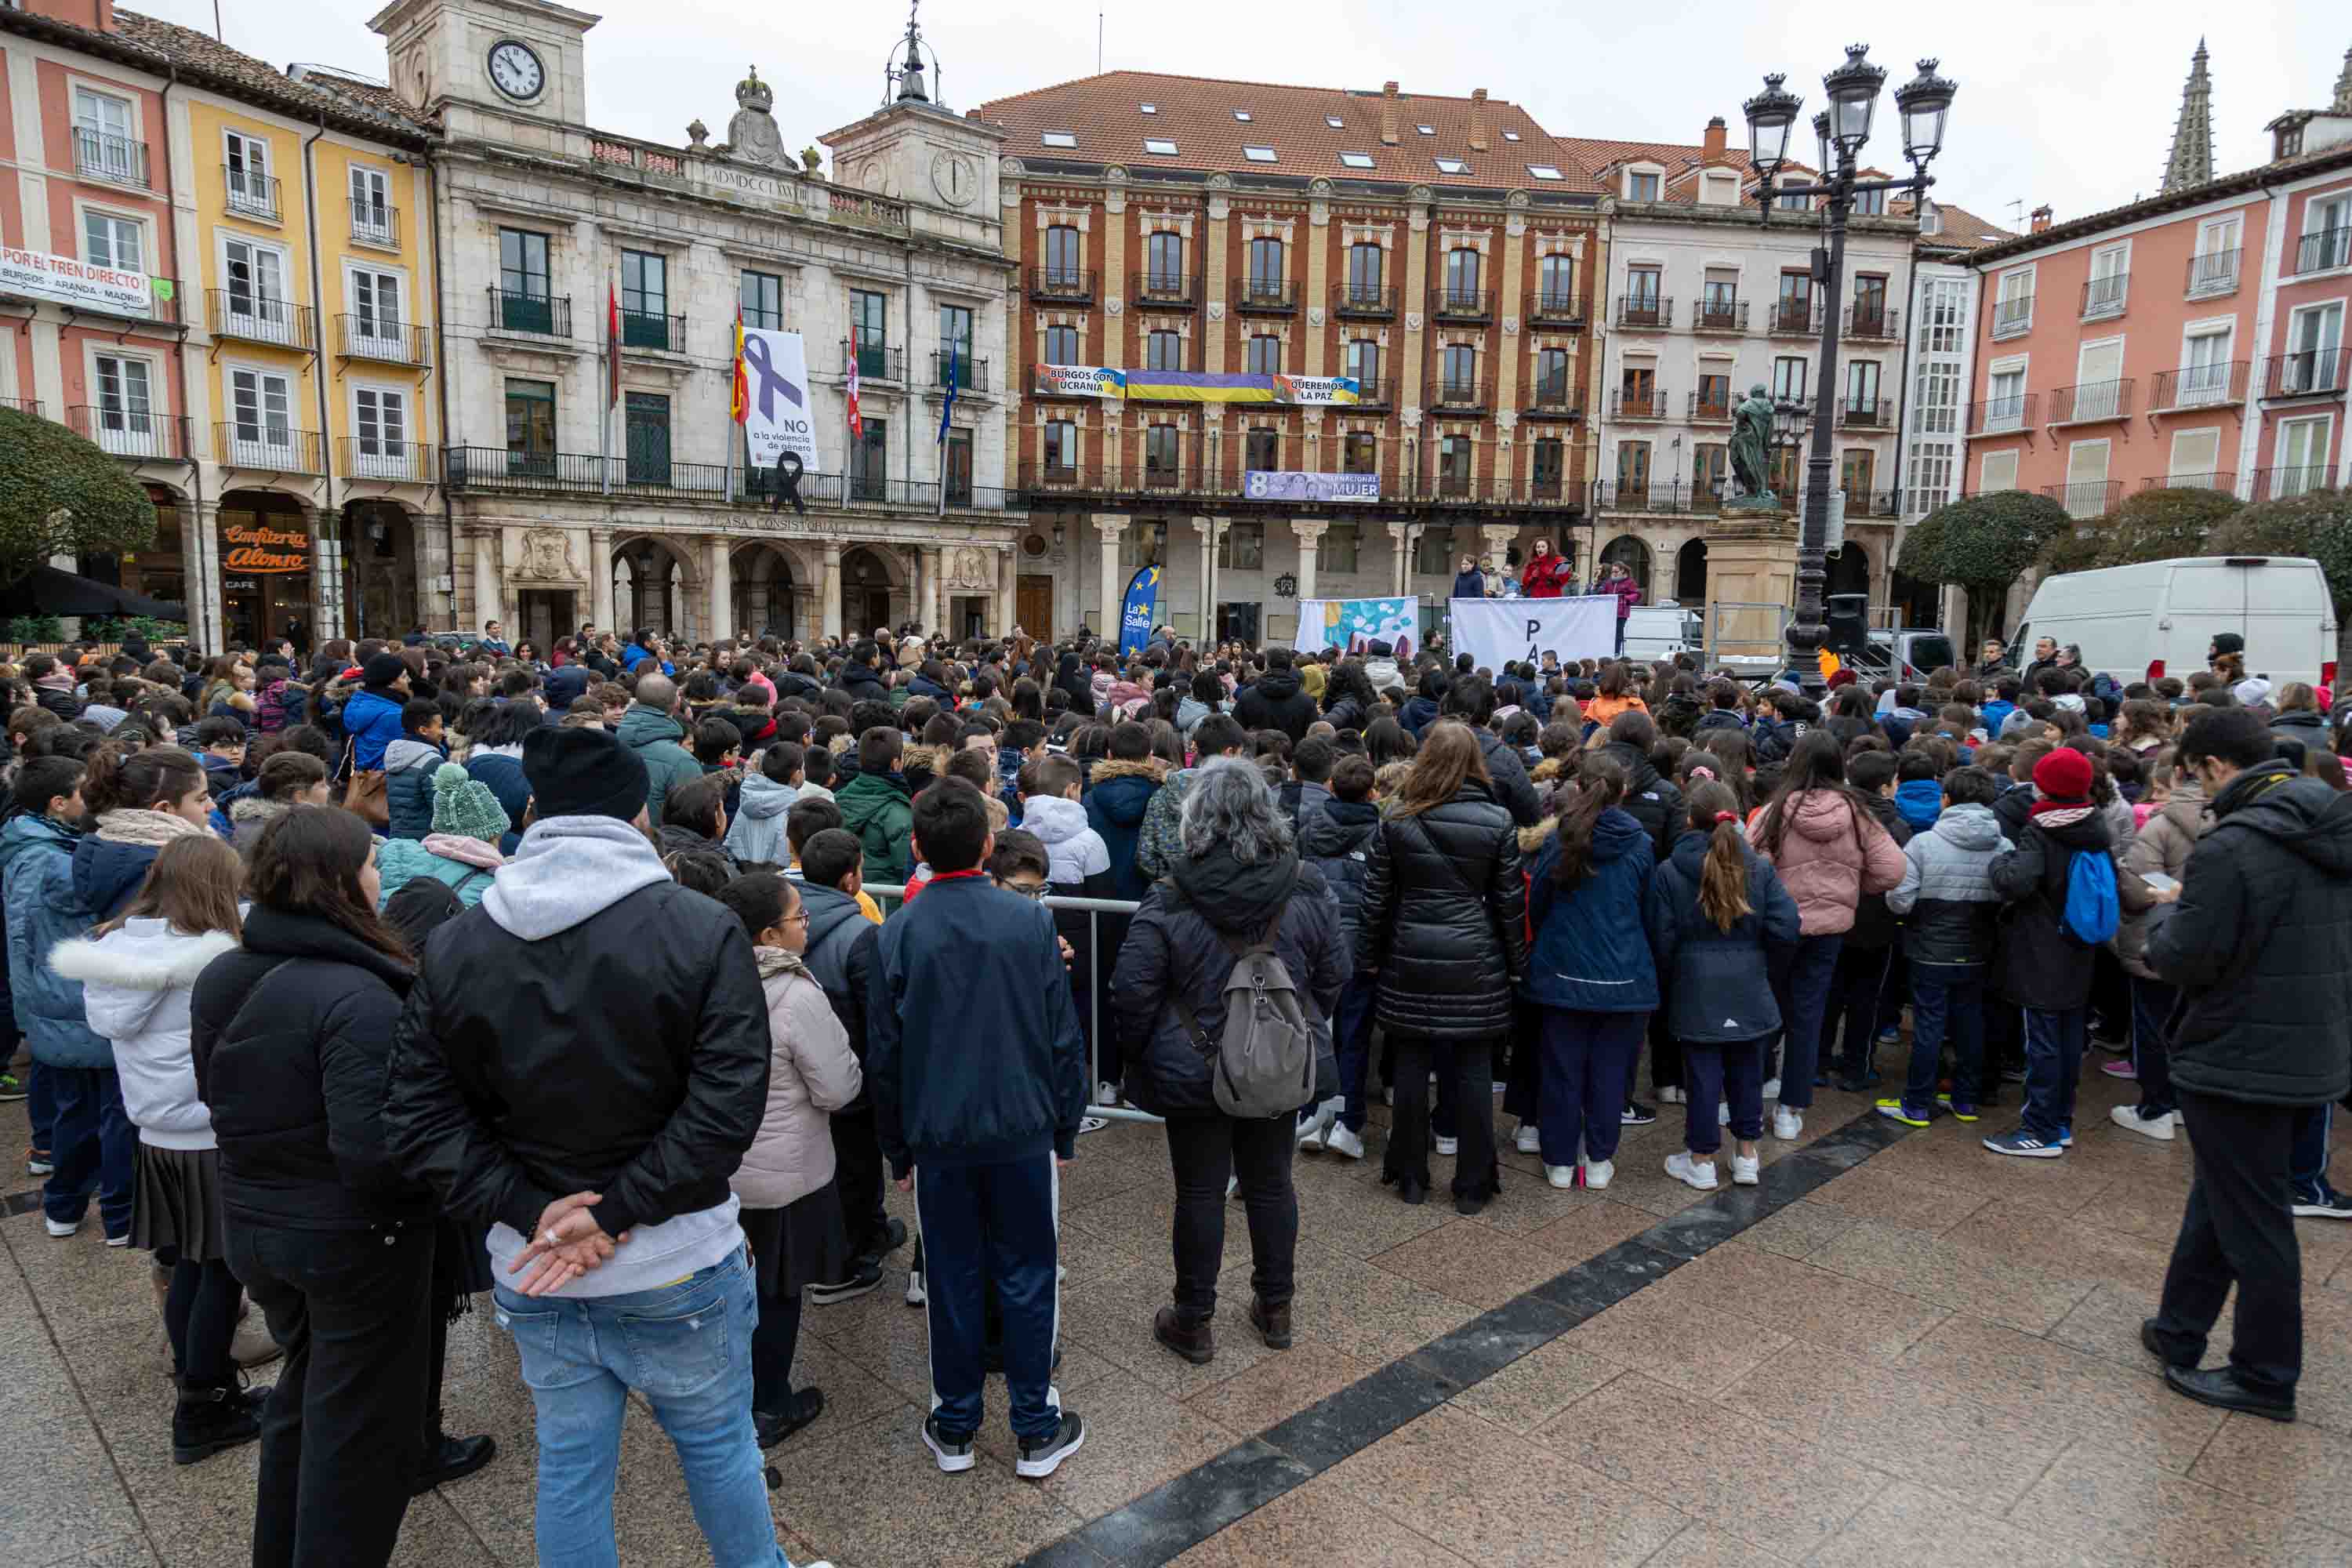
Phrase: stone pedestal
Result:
[1752,579]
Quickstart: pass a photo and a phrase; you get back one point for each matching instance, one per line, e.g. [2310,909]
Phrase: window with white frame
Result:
[2327,232]
[2213,266]
[1642,184]
[261,418]
[2204,376]
[372,220]
[1789,373]
[245,167]
[106,144]
[1870,203]
[2004,407]
[108,240]
[381,434]
[2103,296]
[2313,360]
[1943,323]
[1930,483]
[1936,397]
[2196,454]
[127,423]
[2012,305]
[1997,471]
[253,293]
[2300,459]
[2086,493]
[376,321]
[1719,190]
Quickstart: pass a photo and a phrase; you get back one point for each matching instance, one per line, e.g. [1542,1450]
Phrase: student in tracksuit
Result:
[978,1073]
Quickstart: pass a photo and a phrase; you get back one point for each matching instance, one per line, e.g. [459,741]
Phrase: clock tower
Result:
[485,65]
[914,149]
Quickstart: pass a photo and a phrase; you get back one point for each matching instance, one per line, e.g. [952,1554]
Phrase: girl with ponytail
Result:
[1721,925]
[1589,974]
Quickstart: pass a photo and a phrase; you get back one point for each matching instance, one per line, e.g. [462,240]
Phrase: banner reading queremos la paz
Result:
[1290,485]
[1353,625]
[1192,385]
[1496,631]
[777,419]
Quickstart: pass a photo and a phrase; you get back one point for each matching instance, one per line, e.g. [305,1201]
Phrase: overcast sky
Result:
[2068,101]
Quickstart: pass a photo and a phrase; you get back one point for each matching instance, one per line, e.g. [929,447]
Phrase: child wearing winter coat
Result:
[137,973]
[1950,908]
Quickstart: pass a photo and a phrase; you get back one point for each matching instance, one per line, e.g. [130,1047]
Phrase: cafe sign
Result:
[254,547]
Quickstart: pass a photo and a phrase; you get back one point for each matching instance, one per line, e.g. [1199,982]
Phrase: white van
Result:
[1661,631]
[2157,618]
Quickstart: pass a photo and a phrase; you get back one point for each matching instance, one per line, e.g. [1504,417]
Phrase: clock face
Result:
[516,72]
[955,179]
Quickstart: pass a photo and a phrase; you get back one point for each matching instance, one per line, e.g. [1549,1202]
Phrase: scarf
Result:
[2059,812]
[775,960]
[124,826]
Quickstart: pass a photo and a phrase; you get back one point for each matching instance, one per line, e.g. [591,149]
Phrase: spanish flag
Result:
[739,395]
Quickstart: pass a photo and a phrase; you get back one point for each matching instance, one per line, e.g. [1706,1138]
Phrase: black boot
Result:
[210,1418]
[448,1458]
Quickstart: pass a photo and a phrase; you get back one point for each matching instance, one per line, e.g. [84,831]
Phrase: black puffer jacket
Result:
[650,1097]
[1876,926]
[292,1036]
[1172,948]
[1509,773]
[2261,944]
[2040,965]
[1338,842]
[1276,701]
[2298,732]
[1651,799]
[1444,918]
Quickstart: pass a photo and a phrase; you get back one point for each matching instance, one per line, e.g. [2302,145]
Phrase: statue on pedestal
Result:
[1751,446]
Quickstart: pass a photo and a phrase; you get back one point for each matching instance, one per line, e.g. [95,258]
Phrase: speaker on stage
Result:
[1848,617]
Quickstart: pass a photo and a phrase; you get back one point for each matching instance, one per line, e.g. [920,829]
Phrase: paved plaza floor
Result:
[1898,1349]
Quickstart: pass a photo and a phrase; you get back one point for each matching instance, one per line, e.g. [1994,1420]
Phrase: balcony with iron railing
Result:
[1456,302]
[136,436]
[1458,392]
[2221,480]
[251,318]
[661,333]
[876,362]
[2086,498]
[1166,290]
[1710,407]
[1063,285]
[655,476]
[2005,416]
[1795,319]
[1555,397]
[2219,385]
[1557,308]
[387,458]
[2286,482]
[1719,313]
[1277,296]
[389,343]
[2090,402]
[1626,403]
[1658,496]
[2213,274]
[31,405]
[1869,323]
[375,224]
[2012,317]
[2322,250]
[1865,412]
[2104,297]
[1645,313]
[971,374]
[1555,490]
[541,315]
[2311,373]
[118,160]
[261,446]
[1371,391]
[1369,302]
[251,194]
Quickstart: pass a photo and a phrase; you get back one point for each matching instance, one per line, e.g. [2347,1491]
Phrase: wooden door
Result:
[1033,605]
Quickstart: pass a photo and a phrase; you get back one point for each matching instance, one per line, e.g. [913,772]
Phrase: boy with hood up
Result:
[1951,906]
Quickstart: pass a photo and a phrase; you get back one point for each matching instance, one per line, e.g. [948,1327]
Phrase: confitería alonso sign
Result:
[262,549]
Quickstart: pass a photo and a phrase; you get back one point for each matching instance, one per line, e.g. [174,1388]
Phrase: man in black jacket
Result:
[580,1067]
[2258,936]
[1276,701]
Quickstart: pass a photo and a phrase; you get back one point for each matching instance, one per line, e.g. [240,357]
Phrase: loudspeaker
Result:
[1848,617]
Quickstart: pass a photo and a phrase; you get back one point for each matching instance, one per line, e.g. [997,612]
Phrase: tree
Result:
[2163,525]
[1982,543]
[2317,524]
[60,495]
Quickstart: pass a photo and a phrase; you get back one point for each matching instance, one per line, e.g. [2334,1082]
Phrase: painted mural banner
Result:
[72,282]
[1353,625]
[1284,484]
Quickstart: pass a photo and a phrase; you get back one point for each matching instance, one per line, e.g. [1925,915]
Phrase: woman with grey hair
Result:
[1237,880]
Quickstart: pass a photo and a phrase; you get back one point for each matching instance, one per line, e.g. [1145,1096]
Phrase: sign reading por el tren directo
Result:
[74,282]
[258,548]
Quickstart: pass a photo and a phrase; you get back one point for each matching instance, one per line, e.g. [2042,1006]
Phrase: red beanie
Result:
[2063,774]
[1843,678]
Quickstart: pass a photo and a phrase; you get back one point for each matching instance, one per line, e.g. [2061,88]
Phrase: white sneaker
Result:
[2128,1118]
[1723,1113]
[1233,1186]
[1448,1145]
[1699,1174]
[1744,1169]
[1786,1125]
[1310,1136]
[1670,1095]
[1771,1089]
[60,1229]
[1597,1173]
[1339,1140]
[1560,1175]
[915,1295]
[1105,1094]
[1530,1139]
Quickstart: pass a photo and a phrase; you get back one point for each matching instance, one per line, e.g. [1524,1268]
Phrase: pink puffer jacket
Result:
[1832,854]
[812,1073]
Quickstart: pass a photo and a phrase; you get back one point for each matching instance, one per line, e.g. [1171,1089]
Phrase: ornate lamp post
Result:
[1841,131]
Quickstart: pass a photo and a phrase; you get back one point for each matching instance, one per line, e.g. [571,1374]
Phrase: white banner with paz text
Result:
[1494,632]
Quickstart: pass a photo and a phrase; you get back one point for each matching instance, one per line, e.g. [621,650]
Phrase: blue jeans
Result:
[688,1349]
[1588,1063]
[2054,1064]
[90,1143]
[1351,1043]
[2308,1161]
[1722,1072]
[2152,1002]
[1947,1001]
[1804,994]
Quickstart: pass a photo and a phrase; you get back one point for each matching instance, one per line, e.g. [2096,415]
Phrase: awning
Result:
[47,591]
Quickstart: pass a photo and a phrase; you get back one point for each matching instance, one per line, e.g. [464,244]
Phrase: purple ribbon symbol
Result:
[768,380]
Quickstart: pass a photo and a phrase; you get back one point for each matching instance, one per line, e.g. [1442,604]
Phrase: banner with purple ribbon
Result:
[775,368]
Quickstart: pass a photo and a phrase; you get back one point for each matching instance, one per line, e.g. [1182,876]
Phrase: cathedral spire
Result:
[2343,102]
[2191,163]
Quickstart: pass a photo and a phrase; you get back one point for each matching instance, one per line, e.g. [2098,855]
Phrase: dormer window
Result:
[1335,123]
[1931,218]
[1642,184]
[1426,129]
[1258,154]
[1057,139]
[1159,148]
[1148,108]
[1357,160]
[1510,135]
[1451,166]
[1545,171]
[1719,190]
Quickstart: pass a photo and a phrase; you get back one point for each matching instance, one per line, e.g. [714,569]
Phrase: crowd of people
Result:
[620,985]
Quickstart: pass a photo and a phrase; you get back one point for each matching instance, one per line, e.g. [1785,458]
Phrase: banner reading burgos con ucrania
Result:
[1193,385]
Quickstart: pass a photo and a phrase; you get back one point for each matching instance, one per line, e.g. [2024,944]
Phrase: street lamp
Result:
[1841,132]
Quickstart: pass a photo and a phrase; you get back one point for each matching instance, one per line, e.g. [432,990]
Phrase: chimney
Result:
[1478,120]
[97,16]
[1710,142]
[2041,217]
[1388,114]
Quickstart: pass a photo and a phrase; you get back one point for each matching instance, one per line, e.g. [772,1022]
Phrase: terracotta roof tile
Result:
[1958,229]
[1102,115]
[195,50]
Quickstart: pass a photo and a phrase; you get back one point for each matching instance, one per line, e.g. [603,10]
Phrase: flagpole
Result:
[734,369]
[604,409]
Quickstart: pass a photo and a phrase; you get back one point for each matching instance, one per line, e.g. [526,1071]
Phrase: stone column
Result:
[600,578]
[1208,532]
[1310,531]
[487,601]
[918,586]
[720,574]
[1109,530]
[1400,556]
[932,612]
[829,589]
[1007,600]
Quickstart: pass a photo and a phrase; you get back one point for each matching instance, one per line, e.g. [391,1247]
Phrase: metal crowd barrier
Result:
[895,893]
